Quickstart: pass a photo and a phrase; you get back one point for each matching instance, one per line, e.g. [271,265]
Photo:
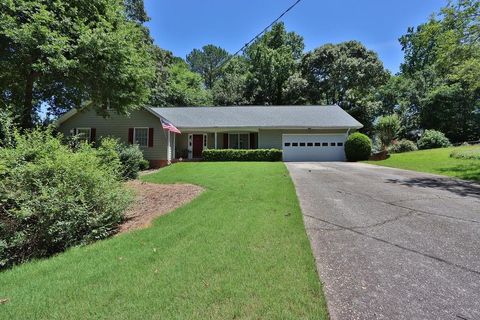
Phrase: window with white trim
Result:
[140,136]
[83,134]
[238,141]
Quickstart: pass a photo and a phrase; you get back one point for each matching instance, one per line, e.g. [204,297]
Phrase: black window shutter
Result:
[225,141]
[253,141]
[130,135]
[150,137]
[93,134]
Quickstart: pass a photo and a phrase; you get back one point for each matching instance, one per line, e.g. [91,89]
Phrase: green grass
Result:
[435,161]
[238,251]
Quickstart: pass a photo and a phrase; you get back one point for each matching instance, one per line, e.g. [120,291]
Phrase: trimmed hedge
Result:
[242,155]
[358,147]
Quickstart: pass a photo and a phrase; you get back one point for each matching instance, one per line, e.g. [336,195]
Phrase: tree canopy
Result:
[272,59]
[65,54]
[175,84]
[135,10]
[206,61]
[57,55]
[441,72]
[230,88]
[347,74]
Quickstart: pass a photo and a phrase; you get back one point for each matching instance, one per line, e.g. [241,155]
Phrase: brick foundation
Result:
[155,164]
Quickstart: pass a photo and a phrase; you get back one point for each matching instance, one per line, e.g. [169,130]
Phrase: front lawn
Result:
[238,251]
[435,161]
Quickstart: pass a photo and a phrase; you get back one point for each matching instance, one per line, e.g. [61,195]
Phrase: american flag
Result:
[169,126]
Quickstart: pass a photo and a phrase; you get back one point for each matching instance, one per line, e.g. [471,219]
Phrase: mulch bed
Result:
[153,200]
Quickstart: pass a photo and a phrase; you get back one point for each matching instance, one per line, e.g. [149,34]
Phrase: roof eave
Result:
[64,117]
[272,127]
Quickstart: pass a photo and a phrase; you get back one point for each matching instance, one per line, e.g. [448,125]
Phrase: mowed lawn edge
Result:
[437,161]
[239,250]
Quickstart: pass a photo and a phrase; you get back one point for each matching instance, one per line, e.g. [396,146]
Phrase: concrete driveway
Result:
[392,244]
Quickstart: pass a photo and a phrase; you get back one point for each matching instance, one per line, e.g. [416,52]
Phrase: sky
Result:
[182,25]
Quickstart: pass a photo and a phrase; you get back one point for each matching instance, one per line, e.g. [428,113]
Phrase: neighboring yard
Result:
[436,161]
[237,251]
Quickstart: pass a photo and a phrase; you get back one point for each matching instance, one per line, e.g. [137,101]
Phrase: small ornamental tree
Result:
[358,147]
[387,128]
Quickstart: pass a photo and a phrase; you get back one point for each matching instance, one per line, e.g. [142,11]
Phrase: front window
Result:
[140,136]
[83,134]
[243,140]
[238,141]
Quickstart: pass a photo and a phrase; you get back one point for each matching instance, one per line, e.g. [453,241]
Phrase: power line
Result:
[245,46]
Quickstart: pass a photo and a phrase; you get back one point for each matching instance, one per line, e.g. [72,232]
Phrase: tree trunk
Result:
[26,115]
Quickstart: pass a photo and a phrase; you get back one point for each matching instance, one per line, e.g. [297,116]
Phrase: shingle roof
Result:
[259,116]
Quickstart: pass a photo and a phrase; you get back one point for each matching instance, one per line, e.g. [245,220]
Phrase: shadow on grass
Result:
[459,187]
[469,171]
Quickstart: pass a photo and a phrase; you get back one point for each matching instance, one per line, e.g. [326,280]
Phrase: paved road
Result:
[392,244]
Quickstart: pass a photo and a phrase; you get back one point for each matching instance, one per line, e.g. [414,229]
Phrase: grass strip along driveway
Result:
[436,161]
[237,251]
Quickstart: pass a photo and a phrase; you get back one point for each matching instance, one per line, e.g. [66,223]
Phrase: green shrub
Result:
[127,158]
[132,160]
[358,147]
[433,139]
[52,197]
[242,155]
[108,154]
[403,145]
[466,153]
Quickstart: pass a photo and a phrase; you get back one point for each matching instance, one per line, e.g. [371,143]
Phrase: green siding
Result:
[117,126]
[181,148]
[273,138]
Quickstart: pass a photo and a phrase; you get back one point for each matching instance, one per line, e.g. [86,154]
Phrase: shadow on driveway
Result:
[459,187]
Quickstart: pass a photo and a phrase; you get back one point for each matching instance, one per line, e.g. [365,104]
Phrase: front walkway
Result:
[390,243]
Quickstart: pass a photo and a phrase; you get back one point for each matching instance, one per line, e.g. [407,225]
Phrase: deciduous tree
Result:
[135,10]
[347,74]
[63,54]
[272,59]
[185,87]
[444,54]
[230,89]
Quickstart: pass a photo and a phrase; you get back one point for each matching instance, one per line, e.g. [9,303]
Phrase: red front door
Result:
[197,145]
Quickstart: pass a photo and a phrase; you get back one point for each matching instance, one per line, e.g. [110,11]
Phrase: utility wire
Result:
[245,46]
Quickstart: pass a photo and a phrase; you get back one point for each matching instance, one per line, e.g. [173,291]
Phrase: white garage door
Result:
[313,147]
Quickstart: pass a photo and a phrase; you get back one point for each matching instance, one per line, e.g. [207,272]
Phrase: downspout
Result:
[169,148]
[174,151]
